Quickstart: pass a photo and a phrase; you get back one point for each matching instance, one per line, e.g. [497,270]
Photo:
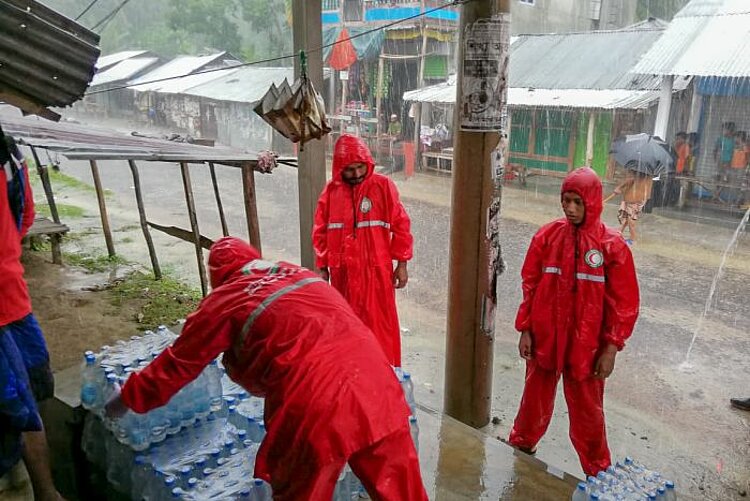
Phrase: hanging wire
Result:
[93,2]
[106,19]
[288,56]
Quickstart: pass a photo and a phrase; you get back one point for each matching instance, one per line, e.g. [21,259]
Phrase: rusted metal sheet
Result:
[46,59]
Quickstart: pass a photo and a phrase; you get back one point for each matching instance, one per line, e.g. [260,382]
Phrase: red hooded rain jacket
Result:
[289,337]
[580,289]
[359,231]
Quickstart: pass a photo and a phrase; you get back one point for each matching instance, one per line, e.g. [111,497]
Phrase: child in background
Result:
[636,191]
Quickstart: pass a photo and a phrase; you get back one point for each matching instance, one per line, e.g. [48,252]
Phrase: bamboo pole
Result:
[143,221]
[251,204]
[224,228]
[102,209]
[190,201]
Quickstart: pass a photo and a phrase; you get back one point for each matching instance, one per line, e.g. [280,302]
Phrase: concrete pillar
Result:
[665,106]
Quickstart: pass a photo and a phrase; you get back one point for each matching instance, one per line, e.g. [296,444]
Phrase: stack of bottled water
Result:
[199,446]
[626,481]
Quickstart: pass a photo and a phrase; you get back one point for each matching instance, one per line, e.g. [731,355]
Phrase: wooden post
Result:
[311,174]
[102,208]
[379,102]
[475,259]
[224,228]
[143,221]
[41,169]
[194,225]
[251,205]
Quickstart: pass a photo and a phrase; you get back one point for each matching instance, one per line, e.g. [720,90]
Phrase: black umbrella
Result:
[643,153]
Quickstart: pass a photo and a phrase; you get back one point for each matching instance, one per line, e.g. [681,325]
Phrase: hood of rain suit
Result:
[228,255]
[585,183]
[348,150]
[580,290]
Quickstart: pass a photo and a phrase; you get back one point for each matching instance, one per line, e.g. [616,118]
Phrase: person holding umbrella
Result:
[644,157]
[636,191]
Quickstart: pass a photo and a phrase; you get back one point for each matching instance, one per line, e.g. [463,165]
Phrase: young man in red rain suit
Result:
[580,304]
[331,396]
[360,229]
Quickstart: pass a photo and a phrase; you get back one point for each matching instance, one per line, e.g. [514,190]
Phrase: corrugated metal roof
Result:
[245,85]
[706,38]
[179,66]
[105,62]
[181,85]
[124,70]
[587,60]
[608,99]
[81,142]
[46,59]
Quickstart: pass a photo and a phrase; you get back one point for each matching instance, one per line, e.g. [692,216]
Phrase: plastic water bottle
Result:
[414,428]
[90,385]
[408,386]
[261,490]
[343,490]
[139,477]
[670,494]
[213,386]
[580,493]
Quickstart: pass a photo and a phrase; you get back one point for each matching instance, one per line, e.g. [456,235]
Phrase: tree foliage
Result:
[661,9]
[251,29]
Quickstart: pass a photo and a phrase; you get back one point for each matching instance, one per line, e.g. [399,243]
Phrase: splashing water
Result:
[686,366]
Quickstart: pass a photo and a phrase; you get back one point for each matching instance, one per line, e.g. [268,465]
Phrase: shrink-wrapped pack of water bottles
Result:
[626,480]
[201,445]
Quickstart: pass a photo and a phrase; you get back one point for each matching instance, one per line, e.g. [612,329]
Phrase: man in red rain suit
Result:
[580,304]
[361,227]
[331,396]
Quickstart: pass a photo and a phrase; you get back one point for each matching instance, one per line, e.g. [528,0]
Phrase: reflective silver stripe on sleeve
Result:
[369,224]
[553,269]
[335,226]
[270,299]
[590,278]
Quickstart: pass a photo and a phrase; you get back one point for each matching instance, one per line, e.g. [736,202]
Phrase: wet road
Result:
[678,422]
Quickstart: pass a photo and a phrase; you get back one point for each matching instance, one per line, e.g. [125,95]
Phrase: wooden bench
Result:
[55,231]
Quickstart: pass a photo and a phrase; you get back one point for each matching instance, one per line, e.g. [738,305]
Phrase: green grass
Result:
[93,264]
[65,211]
[165,301]
[59,179]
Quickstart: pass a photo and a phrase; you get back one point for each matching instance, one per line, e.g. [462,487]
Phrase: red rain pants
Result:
[388,469]
[585,401]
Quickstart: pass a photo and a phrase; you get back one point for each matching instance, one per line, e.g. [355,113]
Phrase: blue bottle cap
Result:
[669,484]
[192,482]
[258,482]
[169,481]
[185,471]
[581,486]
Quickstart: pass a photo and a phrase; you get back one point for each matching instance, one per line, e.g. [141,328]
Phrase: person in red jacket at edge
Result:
[25,375]
[331,396]
[360,228]
[580,304]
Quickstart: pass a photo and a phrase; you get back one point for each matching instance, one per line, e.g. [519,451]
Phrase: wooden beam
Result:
[142,218]
[184,167]
[251,206]
[224,228]
[41,169]
[182,234]
[102,208]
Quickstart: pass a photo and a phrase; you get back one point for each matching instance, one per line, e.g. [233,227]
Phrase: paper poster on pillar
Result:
[484,85]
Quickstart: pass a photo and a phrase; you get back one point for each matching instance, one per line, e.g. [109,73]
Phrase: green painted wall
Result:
[579,158]
[602,141]
[540,164]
